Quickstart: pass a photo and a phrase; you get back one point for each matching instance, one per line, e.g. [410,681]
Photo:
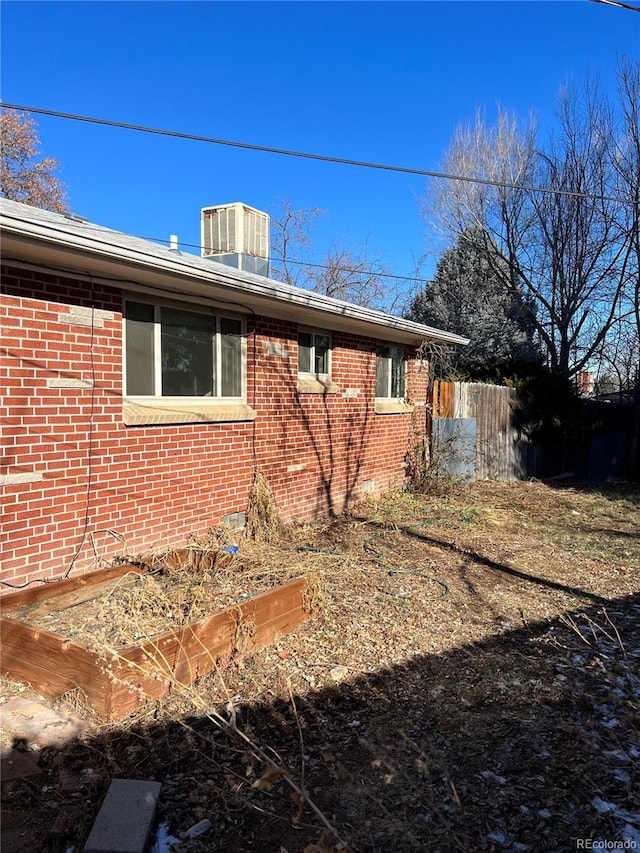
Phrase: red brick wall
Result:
[76,478]
[337,437]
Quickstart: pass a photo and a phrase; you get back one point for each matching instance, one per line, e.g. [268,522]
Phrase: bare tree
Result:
[291,242]
[619,362]
[567,250]
[22,176]
[350,274]
[627,163]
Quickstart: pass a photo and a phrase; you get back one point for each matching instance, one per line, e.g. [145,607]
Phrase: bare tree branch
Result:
[570,254]
[350,274]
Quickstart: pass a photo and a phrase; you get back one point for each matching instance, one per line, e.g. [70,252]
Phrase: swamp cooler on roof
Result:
[236,235]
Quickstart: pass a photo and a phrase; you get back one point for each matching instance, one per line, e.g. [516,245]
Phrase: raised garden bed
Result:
[115,679]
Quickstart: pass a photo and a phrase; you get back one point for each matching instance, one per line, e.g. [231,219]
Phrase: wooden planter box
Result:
[115,684]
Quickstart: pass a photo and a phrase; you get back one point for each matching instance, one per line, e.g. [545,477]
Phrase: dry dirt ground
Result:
[470,681]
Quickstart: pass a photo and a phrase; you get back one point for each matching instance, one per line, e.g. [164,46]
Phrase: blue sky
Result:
[384,82]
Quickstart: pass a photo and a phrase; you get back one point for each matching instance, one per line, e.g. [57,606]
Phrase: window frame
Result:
[316,332]
[389,359]
[193,308]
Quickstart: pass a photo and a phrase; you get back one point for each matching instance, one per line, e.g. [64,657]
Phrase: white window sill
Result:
[157,411]
[310,384]
[393,407]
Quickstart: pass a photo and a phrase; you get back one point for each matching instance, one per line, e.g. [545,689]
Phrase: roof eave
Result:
[132,260]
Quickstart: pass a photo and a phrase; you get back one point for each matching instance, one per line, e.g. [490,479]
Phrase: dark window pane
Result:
[322,354]
[231,355]
[397,373]
[188,353]
[139,348]
[305,342]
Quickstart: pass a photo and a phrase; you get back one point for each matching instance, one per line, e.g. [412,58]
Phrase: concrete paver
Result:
[125,818]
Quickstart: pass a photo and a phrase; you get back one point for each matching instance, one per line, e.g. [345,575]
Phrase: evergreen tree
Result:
[467,296]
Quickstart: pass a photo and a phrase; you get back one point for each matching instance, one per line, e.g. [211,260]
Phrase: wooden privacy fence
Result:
[481,419]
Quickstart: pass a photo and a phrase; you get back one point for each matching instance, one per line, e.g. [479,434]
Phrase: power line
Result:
[308,156]
[365,271]
[618,4]
[370,271]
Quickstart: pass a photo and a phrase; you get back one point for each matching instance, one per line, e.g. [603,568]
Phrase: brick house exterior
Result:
[90,470]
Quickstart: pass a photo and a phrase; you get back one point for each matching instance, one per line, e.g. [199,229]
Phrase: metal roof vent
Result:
[236,235]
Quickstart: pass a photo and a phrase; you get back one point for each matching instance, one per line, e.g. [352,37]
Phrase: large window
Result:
[314,353]
[390,373]
[176,352]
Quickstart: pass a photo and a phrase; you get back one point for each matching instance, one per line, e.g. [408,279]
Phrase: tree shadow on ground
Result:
[503,568]
[525,742]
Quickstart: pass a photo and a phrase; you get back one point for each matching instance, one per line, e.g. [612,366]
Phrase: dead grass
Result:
[180,588]
[263,522]
[469,682]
